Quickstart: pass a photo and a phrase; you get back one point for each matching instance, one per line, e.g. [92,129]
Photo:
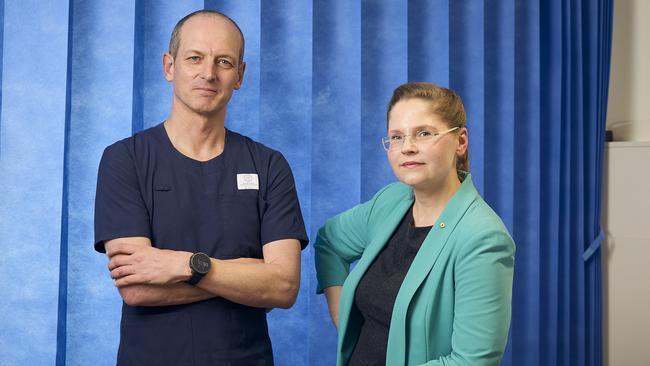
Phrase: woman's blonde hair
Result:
[445,103]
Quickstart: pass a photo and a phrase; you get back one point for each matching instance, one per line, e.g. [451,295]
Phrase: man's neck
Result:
[198,137]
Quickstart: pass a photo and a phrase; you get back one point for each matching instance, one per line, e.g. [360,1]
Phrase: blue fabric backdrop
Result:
[78,75]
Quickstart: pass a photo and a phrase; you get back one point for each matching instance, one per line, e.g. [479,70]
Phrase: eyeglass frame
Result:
[434,135]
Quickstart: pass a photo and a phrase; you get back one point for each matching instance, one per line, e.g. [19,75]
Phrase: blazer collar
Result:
[381,237]
[423,263]
[420,268]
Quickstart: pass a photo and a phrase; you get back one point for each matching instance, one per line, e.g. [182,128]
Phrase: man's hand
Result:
[272,284]
[148,276]
[133,264]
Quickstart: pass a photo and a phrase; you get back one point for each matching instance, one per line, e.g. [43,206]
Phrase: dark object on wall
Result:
[609,136]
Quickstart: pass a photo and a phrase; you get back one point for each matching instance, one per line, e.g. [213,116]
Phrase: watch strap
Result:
[196,277]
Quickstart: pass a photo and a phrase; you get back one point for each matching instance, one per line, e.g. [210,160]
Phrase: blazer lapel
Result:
[422,265]
[379,240]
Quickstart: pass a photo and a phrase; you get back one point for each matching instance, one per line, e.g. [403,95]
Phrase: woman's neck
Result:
[429,203]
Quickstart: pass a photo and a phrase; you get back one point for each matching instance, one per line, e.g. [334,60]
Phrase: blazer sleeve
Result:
[483,278]
[340,242]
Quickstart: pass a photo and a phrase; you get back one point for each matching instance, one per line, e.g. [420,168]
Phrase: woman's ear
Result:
[463,142]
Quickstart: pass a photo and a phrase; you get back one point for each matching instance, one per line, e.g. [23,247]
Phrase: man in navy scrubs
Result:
[202,226]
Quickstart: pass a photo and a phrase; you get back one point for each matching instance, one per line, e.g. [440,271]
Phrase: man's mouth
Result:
[206,90]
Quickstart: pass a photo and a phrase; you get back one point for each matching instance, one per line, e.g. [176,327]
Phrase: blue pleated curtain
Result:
[79,75]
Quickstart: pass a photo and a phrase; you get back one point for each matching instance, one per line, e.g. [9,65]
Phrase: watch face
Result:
[201,263]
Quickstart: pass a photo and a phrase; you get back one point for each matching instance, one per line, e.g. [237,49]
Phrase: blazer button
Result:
[442,225]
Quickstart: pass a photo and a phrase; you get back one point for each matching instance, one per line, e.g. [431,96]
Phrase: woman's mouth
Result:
[411,164]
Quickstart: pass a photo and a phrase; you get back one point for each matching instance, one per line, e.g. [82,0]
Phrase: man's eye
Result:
[194,58]
[225,63]
[396,138]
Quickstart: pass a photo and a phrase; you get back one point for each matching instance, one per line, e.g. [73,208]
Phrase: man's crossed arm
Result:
[149,276]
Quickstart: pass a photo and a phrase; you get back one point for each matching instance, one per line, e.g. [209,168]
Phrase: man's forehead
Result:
[204,23]
[208,27]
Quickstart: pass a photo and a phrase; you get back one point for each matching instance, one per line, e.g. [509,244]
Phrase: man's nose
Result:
[209,71]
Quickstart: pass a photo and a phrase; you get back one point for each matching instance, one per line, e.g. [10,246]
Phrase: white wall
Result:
[628,112]
[626,199]
[626,250]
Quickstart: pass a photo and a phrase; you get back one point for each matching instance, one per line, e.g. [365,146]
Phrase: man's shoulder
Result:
[243,140]
[134,144]
[258,150]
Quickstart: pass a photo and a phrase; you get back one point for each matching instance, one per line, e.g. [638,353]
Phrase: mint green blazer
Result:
[454,305]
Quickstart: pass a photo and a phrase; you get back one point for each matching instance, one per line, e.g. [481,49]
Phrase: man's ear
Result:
[240,72]
[168,66]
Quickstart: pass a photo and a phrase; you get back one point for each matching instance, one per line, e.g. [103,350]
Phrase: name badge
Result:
[247,181]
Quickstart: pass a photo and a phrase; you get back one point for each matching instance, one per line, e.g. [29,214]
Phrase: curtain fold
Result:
[335,172]
[285,105]
[103,101]
[384,60]
[78,75]
[32,139]
[527,175]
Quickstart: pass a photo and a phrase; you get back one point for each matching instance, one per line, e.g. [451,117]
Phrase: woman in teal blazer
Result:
[433,282]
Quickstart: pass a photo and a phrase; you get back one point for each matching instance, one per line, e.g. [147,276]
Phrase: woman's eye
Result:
[424,133]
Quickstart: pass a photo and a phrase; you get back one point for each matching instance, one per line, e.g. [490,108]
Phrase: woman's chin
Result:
[413,181]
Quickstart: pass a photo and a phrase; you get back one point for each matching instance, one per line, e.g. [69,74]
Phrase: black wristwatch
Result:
[200,264]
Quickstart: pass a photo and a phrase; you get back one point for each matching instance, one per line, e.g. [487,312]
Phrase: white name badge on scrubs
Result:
[247,181]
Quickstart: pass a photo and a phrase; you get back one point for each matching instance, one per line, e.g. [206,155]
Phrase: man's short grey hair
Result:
[175,40]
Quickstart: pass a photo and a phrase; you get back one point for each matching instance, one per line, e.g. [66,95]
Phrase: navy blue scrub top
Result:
[145,187]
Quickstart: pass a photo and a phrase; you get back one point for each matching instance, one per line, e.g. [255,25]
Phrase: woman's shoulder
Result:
[392,193]
[481,214]
[375,210]
[481,226]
